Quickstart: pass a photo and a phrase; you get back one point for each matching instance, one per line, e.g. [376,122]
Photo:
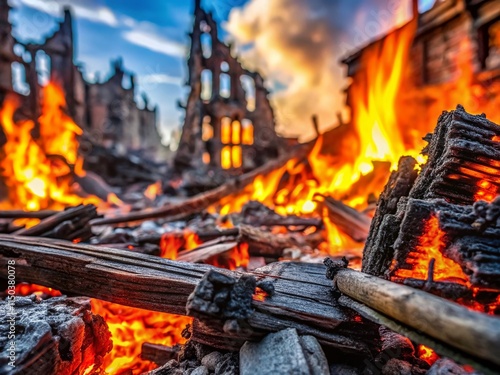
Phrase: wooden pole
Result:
[472,332]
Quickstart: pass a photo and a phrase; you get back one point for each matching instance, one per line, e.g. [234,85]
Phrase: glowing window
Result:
[225,157]
[247,132]
[225,130]
[206,158]
[207,131]
[236,156]
[236,132]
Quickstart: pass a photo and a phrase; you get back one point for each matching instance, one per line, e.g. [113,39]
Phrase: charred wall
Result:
[229,121]
[454,59]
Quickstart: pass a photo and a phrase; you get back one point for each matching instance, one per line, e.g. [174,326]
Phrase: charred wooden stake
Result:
[475,333]
[63,224]
[350,221]
[18,214]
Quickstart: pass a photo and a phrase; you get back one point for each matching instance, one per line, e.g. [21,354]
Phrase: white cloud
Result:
[151,40]
[160,78]
[99,14]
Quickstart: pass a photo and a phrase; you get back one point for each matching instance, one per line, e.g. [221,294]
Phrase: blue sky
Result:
[150,36]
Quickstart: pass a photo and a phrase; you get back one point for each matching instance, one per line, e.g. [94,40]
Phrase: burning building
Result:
[106,111]
[426,300]
[229,121]
[447,55]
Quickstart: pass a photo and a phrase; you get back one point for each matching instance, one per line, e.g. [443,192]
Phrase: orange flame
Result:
[430,247]
[153,190]
[375,136]
[130,327]
[172,243]
[38,172]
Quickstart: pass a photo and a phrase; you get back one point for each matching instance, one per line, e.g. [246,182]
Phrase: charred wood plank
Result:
[350,221]
[19,214]
[205,252]
[258,215]
[159,354]
[63,224]
[301,300]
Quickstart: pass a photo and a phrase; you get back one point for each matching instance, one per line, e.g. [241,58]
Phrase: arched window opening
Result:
[206,85]
[236,156]
[204,28]
[19,79]
[226,157]
[224,66]
[225,130]
[127,82]
[225,85]
[206,158]
[248,85]
[207,130]
[236,132]
[42,61]
[206,45]
[247,132]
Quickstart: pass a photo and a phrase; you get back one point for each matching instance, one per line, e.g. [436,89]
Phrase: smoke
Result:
[298,44]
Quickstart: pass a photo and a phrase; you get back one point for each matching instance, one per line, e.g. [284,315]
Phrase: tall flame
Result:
[38,170]
[373,136]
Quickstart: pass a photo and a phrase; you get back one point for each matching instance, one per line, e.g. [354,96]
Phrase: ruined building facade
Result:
[107,111]
[229,121]
[454,57]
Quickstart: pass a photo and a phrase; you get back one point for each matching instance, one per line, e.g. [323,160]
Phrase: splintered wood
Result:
[445,209]
[157,284]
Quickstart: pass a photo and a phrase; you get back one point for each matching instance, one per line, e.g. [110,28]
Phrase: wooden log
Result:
[59,336]
[350,221]
[19,214]
[474,333]
[460,140]
[416,336]
[378,251]
[158,284]
[62,224]
[199,202]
